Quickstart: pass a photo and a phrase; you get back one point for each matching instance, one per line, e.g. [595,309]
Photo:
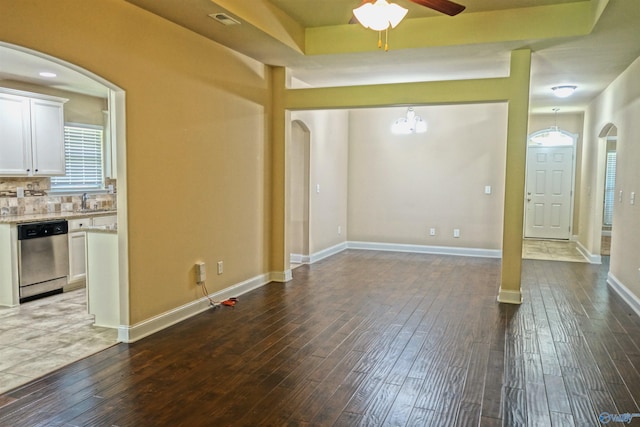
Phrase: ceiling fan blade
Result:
[444,6]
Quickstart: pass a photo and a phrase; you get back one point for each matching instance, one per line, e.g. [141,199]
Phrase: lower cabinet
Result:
[77,244]
[77,263]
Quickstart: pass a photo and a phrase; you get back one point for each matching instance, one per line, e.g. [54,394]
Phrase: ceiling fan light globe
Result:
[395,14]
[380,15]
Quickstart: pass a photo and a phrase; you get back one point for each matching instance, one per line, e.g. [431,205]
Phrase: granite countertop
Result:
[16,219]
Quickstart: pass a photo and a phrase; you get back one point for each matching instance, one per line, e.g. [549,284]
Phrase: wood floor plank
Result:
[557,398]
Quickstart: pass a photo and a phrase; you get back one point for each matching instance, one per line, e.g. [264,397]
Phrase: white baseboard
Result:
[325,253]
[509,297]
[147,327]
[299,259]
[624,292]
[422,249]
[281,276]
[593,259]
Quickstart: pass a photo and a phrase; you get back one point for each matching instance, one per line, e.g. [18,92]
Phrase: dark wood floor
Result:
[372,339]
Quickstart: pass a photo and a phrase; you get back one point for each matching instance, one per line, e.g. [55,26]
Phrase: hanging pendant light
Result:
[553,136]
[409,124]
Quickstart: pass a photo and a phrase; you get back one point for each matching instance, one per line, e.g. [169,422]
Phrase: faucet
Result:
[85,196]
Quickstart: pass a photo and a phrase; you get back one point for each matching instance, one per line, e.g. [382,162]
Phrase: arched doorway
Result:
[80,80]
[299,164]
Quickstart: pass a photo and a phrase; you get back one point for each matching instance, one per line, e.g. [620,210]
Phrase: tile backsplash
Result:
[37,201]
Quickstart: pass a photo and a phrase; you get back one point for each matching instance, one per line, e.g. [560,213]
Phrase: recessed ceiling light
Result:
[48,74]
[563,91]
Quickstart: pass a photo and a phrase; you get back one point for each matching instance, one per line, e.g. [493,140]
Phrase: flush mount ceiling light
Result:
[563,91]
[411,123]
[379,16]
[47,74]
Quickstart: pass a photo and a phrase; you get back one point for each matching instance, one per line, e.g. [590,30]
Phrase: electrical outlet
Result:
[20,192]
[432,232]
[456,232]
[220,267]
[339,230]
[201,272]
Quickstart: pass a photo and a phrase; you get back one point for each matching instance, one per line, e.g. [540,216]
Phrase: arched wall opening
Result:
[115,144]
[299,154]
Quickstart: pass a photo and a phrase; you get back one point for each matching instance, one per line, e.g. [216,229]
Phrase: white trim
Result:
[299,259]
[164,320]
[593,259]
[281,276]
[422,249]
[325,253]
[624,292]
[509,297]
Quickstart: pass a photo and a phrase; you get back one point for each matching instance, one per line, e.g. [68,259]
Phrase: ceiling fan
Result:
[380,15]
[443,6]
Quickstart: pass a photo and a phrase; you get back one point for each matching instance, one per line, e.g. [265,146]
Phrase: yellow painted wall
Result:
[197,141]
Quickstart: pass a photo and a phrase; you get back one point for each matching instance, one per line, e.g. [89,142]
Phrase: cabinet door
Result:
[47,136]
[15,135]
[77,262]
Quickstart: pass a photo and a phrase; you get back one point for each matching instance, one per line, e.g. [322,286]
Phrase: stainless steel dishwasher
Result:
[43,258]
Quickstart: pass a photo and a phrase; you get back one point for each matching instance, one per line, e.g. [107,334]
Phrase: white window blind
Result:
[83,159]
[609,188]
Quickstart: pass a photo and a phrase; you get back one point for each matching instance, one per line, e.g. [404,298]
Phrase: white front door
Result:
[548,195]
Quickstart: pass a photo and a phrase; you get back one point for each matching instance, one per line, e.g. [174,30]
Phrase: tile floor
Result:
[551,250]
[41,336]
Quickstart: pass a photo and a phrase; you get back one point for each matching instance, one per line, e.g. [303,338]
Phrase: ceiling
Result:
[313,40]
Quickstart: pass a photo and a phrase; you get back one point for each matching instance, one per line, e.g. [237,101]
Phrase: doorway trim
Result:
[305,234]
[535,140]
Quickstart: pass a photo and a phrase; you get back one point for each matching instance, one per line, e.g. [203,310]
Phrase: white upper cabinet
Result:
[31,134]
[15,134]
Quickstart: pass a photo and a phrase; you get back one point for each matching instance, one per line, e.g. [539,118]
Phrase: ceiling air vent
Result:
[224,19]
